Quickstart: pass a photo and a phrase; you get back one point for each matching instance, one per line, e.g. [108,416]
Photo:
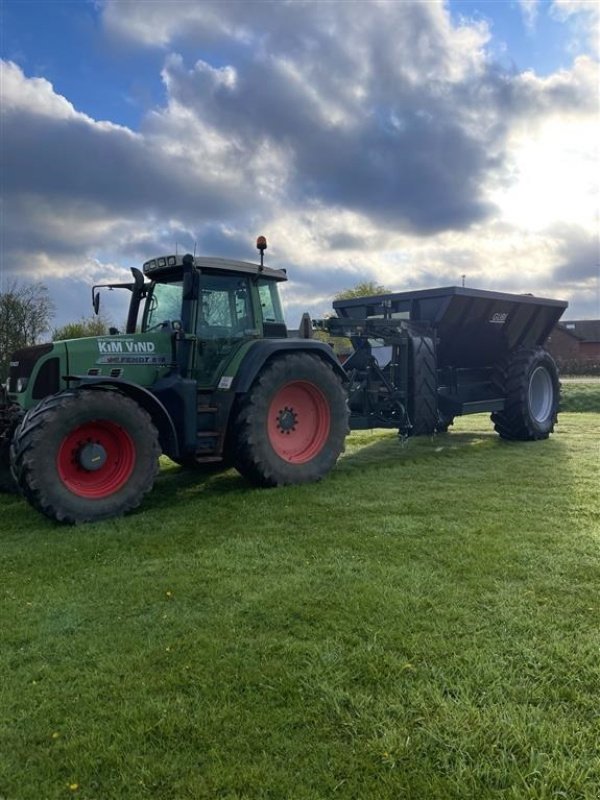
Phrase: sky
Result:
[415,144]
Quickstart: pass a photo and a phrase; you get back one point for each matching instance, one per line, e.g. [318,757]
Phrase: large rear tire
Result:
[291,426]
[529,380]
[422,407]
[84,456]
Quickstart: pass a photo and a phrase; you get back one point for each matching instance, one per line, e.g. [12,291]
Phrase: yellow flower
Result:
[73,787]
[55,735]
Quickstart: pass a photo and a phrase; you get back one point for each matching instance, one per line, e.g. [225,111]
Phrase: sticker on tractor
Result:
[129,351]
[498,318]
[125,359]
[225,382]
[125,346]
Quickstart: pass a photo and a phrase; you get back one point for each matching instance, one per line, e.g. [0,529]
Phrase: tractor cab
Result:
[215,304]
[208,307]
[212,297]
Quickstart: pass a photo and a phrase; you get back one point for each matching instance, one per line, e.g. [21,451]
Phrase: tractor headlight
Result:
[22,384]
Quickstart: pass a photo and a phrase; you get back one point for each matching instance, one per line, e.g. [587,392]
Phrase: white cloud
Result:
[568,191]
[584,16]
[529,10]
[33,94]
[379,143]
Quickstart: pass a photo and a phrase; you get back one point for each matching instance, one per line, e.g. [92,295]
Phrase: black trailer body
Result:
[421,358]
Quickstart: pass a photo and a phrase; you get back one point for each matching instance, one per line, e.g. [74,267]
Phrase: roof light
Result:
[261,244]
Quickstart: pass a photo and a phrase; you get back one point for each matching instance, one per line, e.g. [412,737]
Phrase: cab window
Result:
[269,301]
[163,304]
[225,307]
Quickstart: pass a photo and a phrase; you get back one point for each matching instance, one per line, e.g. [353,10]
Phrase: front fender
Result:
[167,432]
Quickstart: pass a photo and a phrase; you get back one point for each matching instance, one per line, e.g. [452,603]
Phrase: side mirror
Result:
[96,301]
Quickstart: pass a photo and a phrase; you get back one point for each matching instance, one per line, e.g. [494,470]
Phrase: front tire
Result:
[532,392]
[85,456]
[291,426]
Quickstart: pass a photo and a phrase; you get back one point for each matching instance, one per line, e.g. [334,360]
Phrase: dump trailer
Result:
[422,358]
[205,372]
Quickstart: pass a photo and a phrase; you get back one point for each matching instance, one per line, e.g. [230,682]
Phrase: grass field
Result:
[422,624]
[580,395]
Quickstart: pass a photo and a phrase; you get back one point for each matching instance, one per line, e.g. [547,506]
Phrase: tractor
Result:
[205,372]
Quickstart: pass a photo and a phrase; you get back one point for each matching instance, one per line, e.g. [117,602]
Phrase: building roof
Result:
[587,330]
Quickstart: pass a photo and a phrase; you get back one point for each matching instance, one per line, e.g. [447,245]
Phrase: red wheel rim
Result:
[299,421]
[117,467]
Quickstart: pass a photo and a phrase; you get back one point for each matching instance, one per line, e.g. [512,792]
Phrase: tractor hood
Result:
[141,358]
[38,371]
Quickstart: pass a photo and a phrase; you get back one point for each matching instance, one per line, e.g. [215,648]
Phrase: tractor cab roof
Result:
[158,268]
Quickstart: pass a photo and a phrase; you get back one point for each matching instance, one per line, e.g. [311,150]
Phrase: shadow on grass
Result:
[365,451]
[369,451]
[221,480]
[174,479]
[421,448]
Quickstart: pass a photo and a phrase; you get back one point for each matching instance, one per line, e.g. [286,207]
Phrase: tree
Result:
[91,326]
[26,311]
[362,289]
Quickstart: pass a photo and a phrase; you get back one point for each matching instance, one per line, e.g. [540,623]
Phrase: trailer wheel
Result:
[85,456]
[423,395]
[291,426]
[531,387]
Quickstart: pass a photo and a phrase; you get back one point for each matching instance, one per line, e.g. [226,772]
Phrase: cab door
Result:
[225,319]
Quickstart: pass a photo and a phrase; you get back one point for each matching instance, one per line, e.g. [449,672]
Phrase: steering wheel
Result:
[166,325]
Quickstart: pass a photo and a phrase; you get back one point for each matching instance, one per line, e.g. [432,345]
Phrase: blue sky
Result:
[409,143]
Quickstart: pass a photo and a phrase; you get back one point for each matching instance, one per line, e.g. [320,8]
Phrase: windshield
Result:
[163,304]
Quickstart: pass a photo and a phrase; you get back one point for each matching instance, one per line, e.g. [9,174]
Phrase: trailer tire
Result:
[291,425]
[529,381]
[85,456]
[423,411]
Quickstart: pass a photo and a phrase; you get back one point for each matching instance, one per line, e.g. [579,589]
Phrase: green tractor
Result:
[204,373]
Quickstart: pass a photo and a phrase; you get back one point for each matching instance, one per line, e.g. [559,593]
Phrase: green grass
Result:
[580,395]
[422,624]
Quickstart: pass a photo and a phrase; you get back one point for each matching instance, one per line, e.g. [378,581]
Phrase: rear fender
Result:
[264,350]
